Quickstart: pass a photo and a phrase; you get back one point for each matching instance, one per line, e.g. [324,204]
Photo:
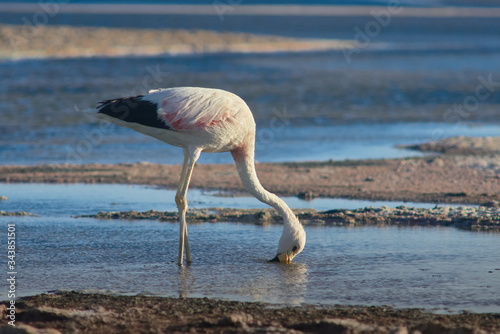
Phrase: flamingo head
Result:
[291,243]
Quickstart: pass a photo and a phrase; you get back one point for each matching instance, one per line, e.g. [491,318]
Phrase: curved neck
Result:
[244,159]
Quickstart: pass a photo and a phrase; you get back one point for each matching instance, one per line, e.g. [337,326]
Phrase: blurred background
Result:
[325,79]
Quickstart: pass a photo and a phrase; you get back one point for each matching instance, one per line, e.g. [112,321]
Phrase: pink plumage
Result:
[186,109]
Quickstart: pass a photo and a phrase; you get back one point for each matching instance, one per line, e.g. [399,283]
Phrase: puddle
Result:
[78,199]
[444,269]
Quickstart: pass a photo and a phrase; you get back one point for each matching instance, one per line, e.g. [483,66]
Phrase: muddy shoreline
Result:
[467,218]
[435,179]
[73,312]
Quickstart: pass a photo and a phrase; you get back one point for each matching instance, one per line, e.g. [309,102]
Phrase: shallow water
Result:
[436,268]
[77,199]
[308,106]
[85,144]
[441,268]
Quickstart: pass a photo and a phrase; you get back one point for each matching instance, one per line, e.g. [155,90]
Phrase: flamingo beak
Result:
[284,257]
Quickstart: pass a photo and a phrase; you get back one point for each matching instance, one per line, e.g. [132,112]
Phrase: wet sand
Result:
[71,312]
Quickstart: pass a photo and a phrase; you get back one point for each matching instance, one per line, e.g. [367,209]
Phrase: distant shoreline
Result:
[18,42]
[257,10]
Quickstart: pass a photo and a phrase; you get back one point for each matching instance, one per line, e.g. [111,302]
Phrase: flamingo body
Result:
[180,117]
[203,120]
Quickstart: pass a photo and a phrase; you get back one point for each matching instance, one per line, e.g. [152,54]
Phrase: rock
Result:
[438,162]
[26,329]
[306,195]
[239,319]
[460,194]
[339,326]
[262,216]
[20,213]
[491,204]
[400,330]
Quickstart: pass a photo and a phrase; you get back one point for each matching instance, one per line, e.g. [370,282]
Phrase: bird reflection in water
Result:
[185,281]
[282,284]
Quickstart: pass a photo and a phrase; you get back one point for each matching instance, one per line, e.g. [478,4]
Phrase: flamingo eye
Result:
[294,249]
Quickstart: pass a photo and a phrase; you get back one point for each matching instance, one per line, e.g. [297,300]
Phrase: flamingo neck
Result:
[245,164]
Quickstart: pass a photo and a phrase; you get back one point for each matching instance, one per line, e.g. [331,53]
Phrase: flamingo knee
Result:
[181,202]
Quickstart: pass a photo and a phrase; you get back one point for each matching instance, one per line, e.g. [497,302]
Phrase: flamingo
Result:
[203,120]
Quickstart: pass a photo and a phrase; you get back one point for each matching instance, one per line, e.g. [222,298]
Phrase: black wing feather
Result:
[133,109]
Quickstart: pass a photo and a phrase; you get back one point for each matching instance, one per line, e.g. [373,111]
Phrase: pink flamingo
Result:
[208,120]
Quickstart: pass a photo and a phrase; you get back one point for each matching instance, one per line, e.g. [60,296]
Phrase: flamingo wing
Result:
[187,108]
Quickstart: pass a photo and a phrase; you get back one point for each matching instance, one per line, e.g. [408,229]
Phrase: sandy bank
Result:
[18,42]
[441,179]
[94,313]
[461,146]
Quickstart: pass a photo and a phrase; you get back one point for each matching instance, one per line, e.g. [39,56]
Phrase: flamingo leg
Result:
[190,159]
[178,201]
